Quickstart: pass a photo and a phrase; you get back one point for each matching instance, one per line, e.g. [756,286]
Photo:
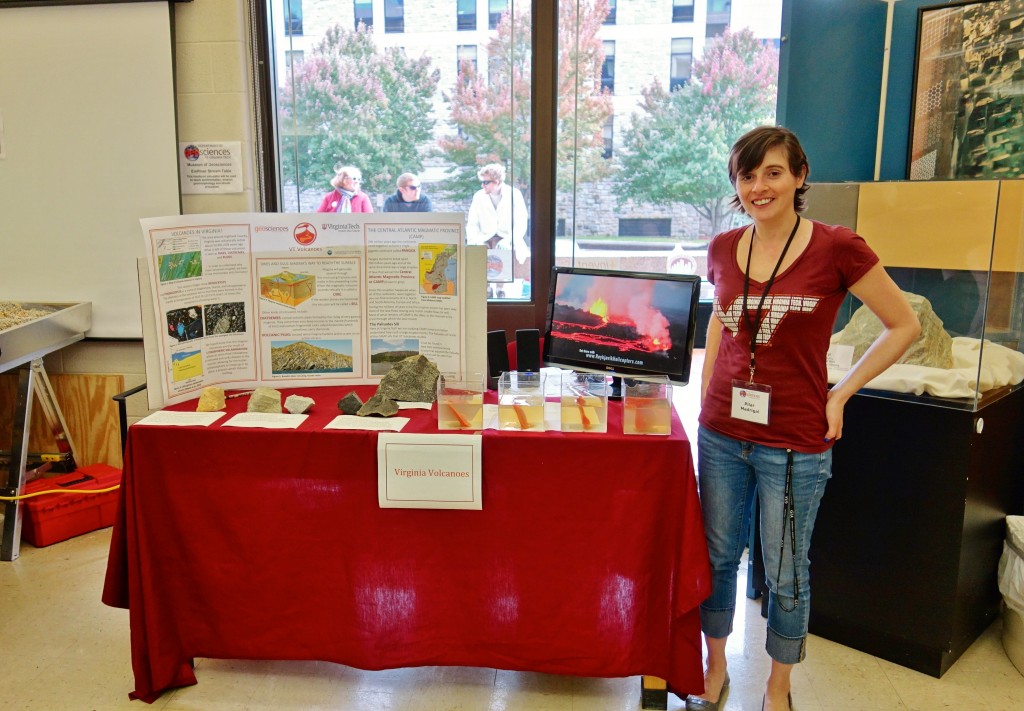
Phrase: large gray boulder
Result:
[933,348]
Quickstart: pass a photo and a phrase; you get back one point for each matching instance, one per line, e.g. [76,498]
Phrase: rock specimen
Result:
[378,405]
[933,348]
[297,404]
[211,399]
[413,379]
[265,400]
[350,404]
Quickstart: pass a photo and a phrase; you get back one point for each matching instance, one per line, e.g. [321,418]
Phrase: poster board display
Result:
[292,300]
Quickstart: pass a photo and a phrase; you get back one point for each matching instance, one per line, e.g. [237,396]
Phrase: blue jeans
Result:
[730,471]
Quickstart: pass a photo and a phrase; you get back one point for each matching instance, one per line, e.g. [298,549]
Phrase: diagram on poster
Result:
[290,300]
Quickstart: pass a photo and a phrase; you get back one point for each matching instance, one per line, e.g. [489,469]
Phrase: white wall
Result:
[213,105]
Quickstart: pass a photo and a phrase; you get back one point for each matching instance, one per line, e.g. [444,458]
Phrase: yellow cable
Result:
[60,491]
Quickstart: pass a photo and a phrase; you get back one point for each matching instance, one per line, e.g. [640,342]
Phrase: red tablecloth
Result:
[588,557]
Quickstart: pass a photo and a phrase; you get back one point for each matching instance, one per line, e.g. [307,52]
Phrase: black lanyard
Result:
[789,512]
[760,304]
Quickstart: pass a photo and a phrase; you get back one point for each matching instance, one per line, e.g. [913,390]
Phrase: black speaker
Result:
[528,349]
[497,357]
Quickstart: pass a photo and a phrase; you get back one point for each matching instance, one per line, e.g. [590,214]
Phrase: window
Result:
[293,17]
[719,11]
[465,15]
[610,19]
[645,227]
[394,16]
[608,68]
[495,9]
[466,53]
[719,17]
[364,12]
[443,129]
[682,10]
[681,62]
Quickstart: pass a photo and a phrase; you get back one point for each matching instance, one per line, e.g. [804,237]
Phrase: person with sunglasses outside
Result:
[346,196]
[498,219]
[409,198]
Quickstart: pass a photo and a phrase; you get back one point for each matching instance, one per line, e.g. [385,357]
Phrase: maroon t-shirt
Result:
[797,320]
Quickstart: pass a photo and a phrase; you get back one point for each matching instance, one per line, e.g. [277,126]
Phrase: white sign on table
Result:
[429,471]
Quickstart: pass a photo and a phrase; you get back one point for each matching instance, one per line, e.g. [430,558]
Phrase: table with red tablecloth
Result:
[588,557]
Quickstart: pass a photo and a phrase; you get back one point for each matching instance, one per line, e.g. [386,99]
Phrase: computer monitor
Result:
[621,323]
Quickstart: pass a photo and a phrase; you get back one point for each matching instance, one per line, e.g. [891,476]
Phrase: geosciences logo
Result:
[304,233]
[192,153]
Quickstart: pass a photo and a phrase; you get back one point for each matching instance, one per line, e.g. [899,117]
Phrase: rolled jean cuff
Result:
[784,650]
[716,623]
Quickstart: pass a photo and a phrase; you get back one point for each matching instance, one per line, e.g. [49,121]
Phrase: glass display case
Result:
[910,530]
[960,246]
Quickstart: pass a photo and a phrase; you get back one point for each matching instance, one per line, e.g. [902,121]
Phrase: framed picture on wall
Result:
[967,119]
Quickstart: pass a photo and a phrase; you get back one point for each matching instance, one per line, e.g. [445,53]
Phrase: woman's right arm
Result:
[714,338]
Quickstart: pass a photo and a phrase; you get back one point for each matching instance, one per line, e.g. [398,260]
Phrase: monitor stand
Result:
[616,389]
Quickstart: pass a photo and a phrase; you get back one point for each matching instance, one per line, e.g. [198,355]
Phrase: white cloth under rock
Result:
[1000,366]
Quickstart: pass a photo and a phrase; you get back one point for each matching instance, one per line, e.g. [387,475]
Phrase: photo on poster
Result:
[186,364]
[179,265]
[385,352]
[287,288]
[185,324]
[296,357]
[225,318]
[439,269]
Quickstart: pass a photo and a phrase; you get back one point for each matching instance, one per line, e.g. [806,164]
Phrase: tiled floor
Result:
[61,648]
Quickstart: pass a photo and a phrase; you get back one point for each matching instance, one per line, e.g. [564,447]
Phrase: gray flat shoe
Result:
[694,703]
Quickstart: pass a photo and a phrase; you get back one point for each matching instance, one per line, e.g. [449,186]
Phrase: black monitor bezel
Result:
[682,378]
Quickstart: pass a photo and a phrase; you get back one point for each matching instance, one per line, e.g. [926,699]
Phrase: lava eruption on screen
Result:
[615,313]
[625,323]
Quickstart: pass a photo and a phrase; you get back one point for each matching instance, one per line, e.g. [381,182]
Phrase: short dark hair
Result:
[749,151]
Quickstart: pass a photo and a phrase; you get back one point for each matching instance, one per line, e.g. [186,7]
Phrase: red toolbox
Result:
[53,518]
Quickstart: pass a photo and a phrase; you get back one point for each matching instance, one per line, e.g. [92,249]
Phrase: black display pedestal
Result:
[909,534]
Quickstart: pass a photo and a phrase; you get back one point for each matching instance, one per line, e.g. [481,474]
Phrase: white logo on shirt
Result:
[776,306]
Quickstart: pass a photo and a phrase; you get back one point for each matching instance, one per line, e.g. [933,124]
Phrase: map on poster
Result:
[293,300]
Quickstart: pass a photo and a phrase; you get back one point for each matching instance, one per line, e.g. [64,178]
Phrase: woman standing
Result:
[346,196]
[768,418]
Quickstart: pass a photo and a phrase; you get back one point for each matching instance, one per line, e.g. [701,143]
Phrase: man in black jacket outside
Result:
[409,198]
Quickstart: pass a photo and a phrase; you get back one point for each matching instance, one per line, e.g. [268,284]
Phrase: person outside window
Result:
[409,198]
[346,196]
[497,216]
[498,219]
[768,419]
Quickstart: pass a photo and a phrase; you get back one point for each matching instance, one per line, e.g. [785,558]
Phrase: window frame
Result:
[292,19]
[674,81]
[356,19]
[394,23]
[466,21]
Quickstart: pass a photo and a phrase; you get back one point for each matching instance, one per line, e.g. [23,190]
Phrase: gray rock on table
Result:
[264,400]
[297,404]
[350,404]
[413,379]
[378,405]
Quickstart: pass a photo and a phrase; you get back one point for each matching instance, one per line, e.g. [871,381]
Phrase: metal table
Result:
[22,348]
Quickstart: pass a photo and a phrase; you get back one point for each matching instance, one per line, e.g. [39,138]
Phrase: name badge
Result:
[751,401]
